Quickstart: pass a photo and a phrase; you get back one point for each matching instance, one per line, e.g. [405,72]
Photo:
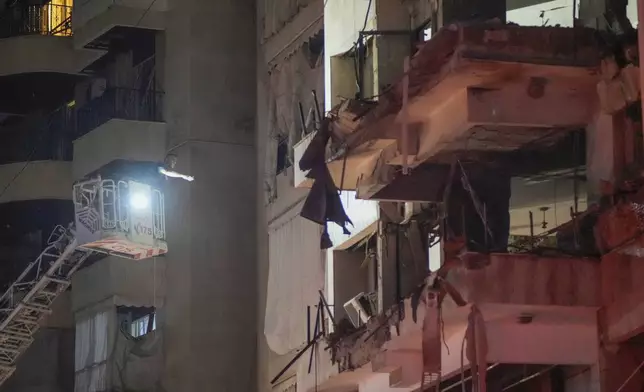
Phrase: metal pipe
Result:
[297,356]
[544,371]
[531,230]
[398,267]
[468,378]
[316,332]
[308,323]
[318,111]
[327,307]
[387,32]
[360,53]
[634,371]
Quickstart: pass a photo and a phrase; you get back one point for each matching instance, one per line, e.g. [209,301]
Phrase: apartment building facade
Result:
[93,87]
[549,323]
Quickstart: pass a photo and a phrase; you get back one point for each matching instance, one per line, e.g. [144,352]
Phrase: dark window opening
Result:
[283,158]
[136,321]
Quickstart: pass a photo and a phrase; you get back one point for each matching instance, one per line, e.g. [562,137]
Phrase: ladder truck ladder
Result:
[29,299]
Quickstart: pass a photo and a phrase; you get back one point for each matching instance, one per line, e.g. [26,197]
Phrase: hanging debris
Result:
[323,202]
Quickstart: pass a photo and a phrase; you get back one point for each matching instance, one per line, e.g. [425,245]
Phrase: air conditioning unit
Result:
[361,308]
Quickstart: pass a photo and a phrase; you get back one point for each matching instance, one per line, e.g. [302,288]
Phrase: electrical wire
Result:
[30,157]
[147,10]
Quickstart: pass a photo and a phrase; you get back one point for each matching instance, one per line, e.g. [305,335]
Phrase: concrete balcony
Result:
[38,38]
[93,19]
[121,124]
[117,281]
[537,311]
[39,180]
[477,93]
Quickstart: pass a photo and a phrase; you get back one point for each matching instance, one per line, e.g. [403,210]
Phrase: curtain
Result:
[295,275]
[91,352]
[290,84]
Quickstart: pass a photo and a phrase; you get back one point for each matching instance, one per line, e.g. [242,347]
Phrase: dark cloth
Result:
[323,202]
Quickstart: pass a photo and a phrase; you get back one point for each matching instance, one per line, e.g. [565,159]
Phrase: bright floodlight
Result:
[139,201]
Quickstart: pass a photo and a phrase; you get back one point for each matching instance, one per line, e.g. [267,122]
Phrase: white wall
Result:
[343,20]
[557,12]
[119,139]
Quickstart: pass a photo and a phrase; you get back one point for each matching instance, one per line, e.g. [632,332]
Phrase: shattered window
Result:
[139,327]
[137,321]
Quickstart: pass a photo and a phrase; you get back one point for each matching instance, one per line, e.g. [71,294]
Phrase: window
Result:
[141,326]
[135,321]
[283,158]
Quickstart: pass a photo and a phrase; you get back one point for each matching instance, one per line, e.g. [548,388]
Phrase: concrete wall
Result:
[582,378]
[121,282]
[85,10]
[343,19]
[38,180]
[94,18]
[350,279]
[211,300]
[119,139]
[48,364]
[40,53]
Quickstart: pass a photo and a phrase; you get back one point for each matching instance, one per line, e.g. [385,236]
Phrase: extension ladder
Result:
[29,298]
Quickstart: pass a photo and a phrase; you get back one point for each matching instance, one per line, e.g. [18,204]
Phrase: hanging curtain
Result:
[295,275]
[91,353]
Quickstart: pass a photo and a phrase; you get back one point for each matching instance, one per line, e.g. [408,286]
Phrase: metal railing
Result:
[37,138]
[119,103]
[50,137]
[32,19]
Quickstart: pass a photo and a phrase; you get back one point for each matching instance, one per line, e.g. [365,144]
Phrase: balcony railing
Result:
[48,19]
[35,139]
[119,103]
[50,137]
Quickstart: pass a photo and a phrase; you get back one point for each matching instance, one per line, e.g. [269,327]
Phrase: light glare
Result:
[139,201]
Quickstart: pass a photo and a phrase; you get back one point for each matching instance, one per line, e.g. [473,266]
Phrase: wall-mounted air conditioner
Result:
[360,309]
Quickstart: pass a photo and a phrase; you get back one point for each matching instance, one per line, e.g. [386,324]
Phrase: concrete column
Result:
[211,306]
[604,154]
[390,49]
[387,277]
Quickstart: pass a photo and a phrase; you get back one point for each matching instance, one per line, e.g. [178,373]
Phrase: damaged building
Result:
[466,213]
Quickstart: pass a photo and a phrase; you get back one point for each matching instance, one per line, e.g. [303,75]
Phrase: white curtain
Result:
[295,275]
[91,352]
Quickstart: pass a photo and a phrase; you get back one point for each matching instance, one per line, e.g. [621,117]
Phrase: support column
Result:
[604,155]
[209,328]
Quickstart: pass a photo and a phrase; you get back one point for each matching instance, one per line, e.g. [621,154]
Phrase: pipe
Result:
[544,371]
[299,354]
[468,378]
[387,32]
